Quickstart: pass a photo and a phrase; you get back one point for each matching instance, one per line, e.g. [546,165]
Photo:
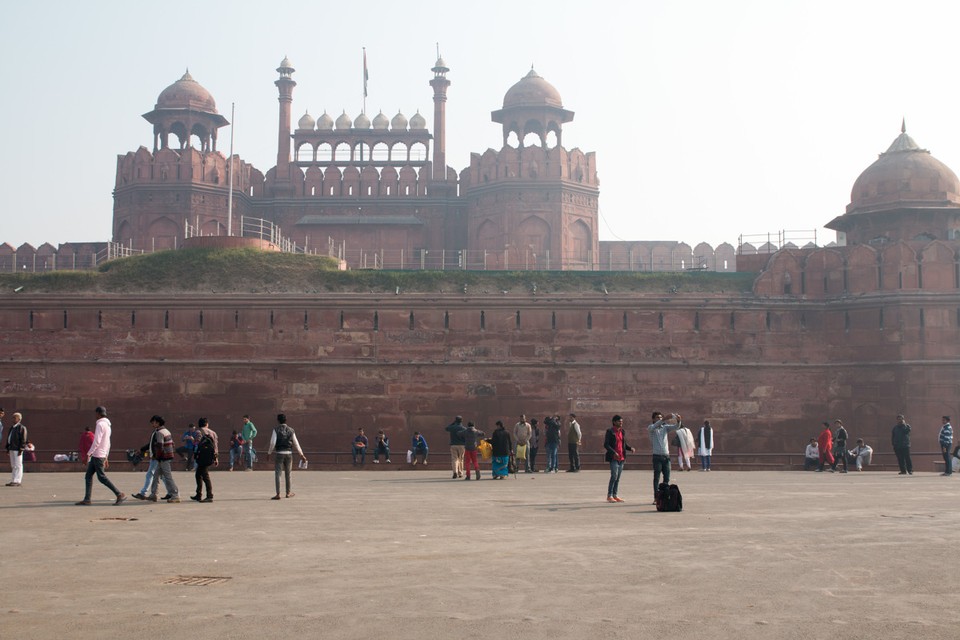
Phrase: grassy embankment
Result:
[253,271]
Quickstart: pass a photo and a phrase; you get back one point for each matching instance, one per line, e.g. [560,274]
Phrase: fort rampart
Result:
[766,368]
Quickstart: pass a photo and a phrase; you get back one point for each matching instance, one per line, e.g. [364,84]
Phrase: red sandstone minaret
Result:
[440,84]
[285,84]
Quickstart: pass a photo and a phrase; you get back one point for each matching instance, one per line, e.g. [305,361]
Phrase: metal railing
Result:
[773,241]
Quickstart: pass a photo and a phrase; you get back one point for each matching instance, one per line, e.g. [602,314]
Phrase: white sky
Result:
[709,119]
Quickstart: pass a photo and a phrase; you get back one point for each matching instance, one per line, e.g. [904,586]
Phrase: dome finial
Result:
[903,125]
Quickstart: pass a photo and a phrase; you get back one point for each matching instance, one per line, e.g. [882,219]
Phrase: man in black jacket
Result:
[901,446]
[16,439]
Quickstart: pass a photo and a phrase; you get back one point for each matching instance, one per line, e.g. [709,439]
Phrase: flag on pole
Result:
[366,75]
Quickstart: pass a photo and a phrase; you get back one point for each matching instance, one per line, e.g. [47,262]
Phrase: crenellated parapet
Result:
[531,164]
[839,271]
[665,255]
[185,166]
[358,182]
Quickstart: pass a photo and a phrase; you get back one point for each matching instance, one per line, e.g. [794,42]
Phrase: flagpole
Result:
[230,180]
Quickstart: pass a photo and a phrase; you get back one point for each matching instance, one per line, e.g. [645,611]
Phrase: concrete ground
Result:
[418,555]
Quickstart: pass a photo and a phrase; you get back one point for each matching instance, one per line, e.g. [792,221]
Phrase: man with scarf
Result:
[705,445]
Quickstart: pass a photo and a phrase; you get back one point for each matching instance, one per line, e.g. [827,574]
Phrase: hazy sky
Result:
[709,119]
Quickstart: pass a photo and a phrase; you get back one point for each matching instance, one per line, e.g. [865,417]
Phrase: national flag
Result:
[366,75]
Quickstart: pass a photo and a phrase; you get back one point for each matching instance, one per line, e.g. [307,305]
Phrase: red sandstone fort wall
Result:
[765,371]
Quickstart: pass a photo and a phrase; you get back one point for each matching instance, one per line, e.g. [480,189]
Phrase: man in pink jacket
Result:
[99,453]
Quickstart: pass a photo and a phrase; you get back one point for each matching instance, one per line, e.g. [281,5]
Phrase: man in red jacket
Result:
[825,444]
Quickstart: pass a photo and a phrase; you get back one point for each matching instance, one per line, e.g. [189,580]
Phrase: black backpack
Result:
[206,453]
[669,498]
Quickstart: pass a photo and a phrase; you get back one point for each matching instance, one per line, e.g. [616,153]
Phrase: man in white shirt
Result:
[862,454]
[98,454]
[811,457]
[574,440]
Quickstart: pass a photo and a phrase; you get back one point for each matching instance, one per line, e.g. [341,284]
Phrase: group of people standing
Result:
[518,447]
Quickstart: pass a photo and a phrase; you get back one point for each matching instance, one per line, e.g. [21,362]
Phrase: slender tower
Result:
[440,84]
[285,85]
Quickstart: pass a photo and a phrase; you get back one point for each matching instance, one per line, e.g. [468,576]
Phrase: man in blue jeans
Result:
[659,430]
[945,439]
[553,428]
[616,447]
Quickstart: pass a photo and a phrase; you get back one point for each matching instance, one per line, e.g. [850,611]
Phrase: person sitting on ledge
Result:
[811,458]
[861,455]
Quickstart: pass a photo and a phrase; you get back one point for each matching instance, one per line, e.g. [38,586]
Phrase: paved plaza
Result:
[405,554]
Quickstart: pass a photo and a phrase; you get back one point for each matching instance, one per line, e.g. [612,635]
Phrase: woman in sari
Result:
[502,445]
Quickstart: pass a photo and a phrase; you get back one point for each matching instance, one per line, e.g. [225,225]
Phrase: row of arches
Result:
[361,152]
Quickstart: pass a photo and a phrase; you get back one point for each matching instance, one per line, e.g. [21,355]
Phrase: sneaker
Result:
[611,499]
[152,498]
[618,499]
[376,462]
[82,503]
[166,497]
[139,496]
[175,500]
[207,499]
[276,497]
[290,495]
[120,498]
[388,459]
[454,477]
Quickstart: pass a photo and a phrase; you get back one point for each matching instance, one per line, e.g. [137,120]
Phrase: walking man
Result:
[98,459]
[825,445]
[162,450]
[284,440]
[248,432]
[457,446]
[574,440]
[207,456]
[946,442]
[900,438]
[659,429]
[839,446]
[616,451]
[16,440]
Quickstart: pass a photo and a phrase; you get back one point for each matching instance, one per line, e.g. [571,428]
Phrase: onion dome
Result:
[325,122]
[399,122]
[532,91]
[418,122]
[904,176]
[381,122]
[306,121]
[362,122]
[186,93]
[344,121]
